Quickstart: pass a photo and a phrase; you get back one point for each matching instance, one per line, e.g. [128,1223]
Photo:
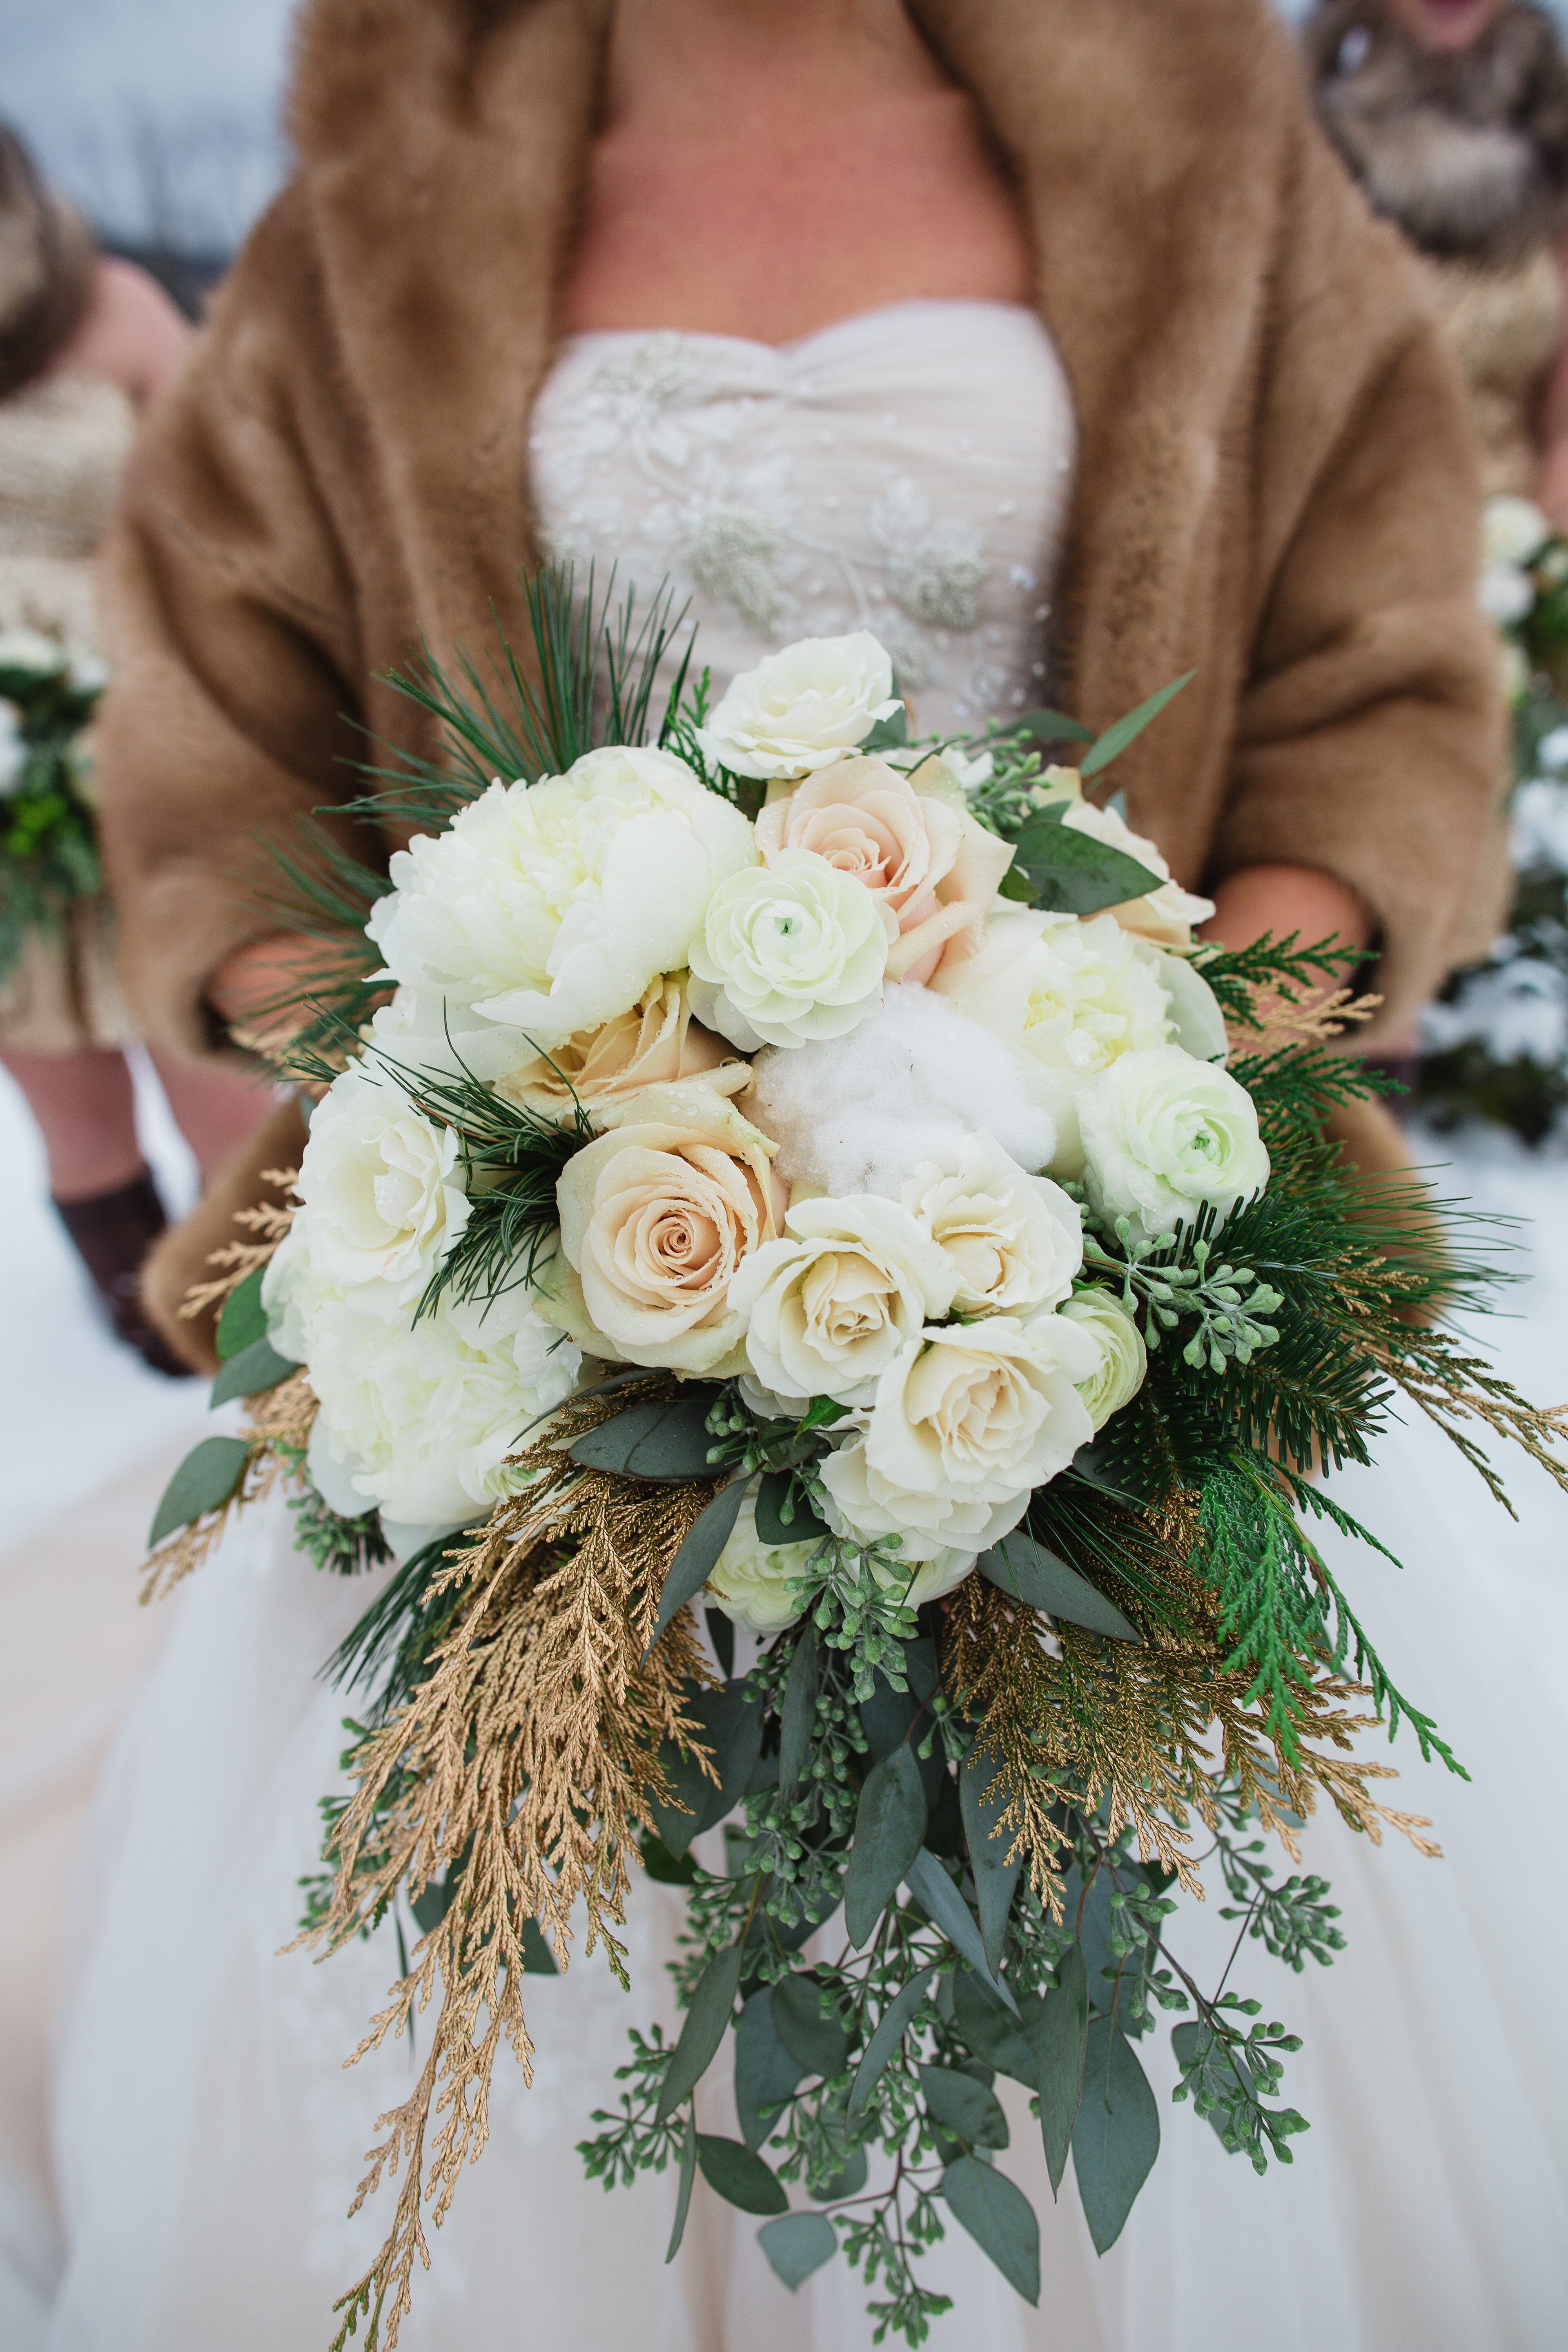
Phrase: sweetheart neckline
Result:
[946,304]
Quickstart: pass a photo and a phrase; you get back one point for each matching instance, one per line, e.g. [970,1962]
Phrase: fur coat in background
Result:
[1468,152]
[1278,485]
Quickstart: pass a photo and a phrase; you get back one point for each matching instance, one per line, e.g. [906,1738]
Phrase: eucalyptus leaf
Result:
[666,1441]
[943,1904]
[992,2031]
[963,2107]
[255,1369]
[999,2218]
[1117,2136]
[244,1318]
[683,2191]
[739,2175]
[803,1525]
[983,1801]
[799,1709]
[721,1633]
[538,1960]
[730,1725]
[798,2243]
[1074,874]
[706,2019]
[1060,2037]
[1024,1571]
[889,1827]
[1115,740]
[204,1482]
[698,1555]
[891,2028]
[1049,727]
[677,1815]
[819,2043]
[765,2071]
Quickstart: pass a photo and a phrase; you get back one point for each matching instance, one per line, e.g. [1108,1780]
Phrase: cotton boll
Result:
[859,1114]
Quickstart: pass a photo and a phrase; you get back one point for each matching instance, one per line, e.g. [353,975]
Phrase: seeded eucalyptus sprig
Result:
[1172,1276]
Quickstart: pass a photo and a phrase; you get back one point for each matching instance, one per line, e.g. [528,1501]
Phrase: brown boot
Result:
[112,1234]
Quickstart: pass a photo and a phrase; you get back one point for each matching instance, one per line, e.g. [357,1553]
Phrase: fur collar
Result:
[1468,153]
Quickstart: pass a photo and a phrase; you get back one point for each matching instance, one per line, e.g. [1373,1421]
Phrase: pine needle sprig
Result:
[1244,980]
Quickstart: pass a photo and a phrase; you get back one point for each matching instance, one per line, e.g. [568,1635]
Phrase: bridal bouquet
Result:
[48,835]
[786,1173]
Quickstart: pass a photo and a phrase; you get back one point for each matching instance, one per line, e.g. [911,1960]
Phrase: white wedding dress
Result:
[908,471]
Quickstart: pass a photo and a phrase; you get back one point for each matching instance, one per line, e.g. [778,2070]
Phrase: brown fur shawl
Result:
[1468,152]
[1277,483]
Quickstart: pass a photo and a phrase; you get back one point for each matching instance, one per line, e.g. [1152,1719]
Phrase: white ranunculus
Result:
[1163,1134]
[969,1419]
[1014,1240]
[790,953]
[830,1305]
[32,654]
[1514,530]
[384,1201]
[419,1418]
[803,708]
[12,747]
[761,1585]
[552,906]
[1505,594]
[1124,1359]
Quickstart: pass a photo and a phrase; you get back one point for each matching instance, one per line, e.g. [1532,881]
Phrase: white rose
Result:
[382,1198]
[32,654]
[968,1419]
[791,951]
[1124,1359]
[12,747]
[1514,530]
[803,708]
[828,1307]
[655,1043]
[552,906]
[1163,1134]
[1014,1240]
[1505,594]
[658,1216]
[765,1586]
[420,1417]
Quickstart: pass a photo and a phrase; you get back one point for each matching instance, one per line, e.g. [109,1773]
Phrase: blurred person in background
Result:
[86,342]
[1453,115]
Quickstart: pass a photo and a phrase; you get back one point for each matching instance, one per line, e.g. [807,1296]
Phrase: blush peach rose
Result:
[654,1044]
[909,840]
[658,1216]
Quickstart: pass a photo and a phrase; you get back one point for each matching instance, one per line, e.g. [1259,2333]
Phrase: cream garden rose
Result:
[552,906]
[654,1042]
[789,953]
[658,1216]
[802,709]
[830,1305]
[1014,1240]
[1124,1359]
[761,1585]
[1163,1134]
[382,1196]
[968,1419]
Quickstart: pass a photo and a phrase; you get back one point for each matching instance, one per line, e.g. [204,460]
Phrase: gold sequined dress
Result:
[64,442]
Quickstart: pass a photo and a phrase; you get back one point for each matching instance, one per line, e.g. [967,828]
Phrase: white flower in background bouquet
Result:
[792,1170]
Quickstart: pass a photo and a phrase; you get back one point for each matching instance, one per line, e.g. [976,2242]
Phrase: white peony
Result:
[383,1201]
[551,907]
[12,747]
[829,1306]
[968,1419]
[32,654]
[1124,1359]
[1513,531]
[1163,1134]
[789,953]
[1014,1240]
[765,1586]
[419,1418]
[803,708]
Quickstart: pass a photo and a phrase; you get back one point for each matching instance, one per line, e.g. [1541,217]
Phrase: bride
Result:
[1046,340]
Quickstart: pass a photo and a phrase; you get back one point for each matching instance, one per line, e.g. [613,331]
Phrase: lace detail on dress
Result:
[906,471]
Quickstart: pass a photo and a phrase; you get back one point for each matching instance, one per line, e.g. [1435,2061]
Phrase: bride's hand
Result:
[1286,899]
[246,989]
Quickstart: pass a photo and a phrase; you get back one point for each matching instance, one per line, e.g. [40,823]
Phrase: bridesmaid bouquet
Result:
[48,835]
[789,1172]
